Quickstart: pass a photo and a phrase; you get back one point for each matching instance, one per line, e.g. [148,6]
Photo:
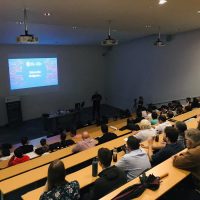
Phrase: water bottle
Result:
[115,155]
[94,167]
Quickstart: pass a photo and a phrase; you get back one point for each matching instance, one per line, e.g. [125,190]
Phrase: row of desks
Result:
[83,176]
[40,173]
[50,140]
[7,185]
[42,160]
[175,175]
[187,115]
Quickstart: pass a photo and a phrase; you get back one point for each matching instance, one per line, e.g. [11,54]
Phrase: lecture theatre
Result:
[99,100]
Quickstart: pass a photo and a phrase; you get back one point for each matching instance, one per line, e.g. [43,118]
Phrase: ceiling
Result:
[129,18]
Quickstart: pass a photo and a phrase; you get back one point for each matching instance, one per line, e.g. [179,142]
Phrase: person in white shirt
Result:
[162,124]
[146,131]
[135,161]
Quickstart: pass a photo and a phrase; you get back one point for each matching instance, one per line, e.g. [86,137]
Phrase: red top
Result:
[16,160]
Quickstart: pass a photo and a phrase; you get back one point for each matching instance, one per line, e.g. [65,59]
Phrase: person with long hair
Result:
[57,188]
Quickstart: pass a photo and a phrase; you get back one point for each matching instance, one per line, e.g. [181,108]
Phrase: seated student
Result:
[162,124]
[18,157]
[188,102]
[44,147]
[181,127]
[26,148]
[146,131]
[107,136]
[172,146]
[73,132]
[138,117]
[170,114]
[195,103]
[190,160]
[5,150]
[135,161]
[110,178]
[179,110]
[57,188]
[65,143]
[86,143]
[187,108]
[154,117]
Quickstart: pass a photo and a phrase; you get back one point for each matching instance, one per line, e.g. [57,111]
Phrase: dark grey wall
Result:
[158,74]
[80,70]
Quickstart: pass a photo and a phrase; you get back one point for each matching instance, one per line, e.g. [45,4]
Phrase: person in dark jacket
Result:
[111,177]
[44,147]
[172,146]
[65,143]
[26,147]
[107,136]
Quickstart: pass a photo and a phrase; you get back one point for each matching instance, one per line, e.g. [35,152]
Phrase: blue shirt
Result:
[134,163]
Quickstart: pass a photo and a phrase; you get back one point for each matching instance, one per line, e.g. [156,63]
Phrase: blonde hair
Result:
[145,124]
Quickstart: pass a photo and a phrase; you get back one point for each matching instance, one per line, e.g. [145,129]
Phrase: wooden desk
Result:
[83,176]
[175,176]
[37,174]
[62,153]
[187,115]
[92,128]
[192,124]
[31,164]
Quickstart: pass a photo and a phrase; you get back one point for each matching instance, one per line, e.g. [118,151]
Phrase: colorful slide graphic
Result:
[32,72]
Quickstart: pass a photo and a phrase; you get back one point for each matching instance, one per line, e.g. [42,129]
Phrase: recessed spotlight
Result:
[74,27]
[198,11]
[161,2]
[47,14]
[20,22]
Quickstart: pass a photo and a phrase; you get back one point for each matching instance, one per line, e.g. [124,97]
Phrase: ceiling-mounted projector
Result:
[159,42]
[29,39]
[26,38]
[109,42]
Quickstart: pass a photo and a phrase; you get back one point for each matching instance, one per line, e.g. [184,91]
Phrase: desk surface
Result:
[34,175]
[84,177]
[174,177]
[187,115]
[42,160]
[90,129]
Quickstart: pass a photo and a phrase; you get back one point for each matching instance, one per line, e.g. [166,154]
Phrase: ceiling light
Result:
[161,2]
[74,27]
[198,11]
[47,14]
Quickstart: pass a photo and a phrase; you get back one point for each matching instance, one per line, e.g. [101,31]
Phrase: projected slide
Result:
[32,72]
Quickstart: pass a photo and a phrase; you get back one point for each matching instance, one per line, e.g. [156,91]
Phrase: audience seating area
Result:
[36,169]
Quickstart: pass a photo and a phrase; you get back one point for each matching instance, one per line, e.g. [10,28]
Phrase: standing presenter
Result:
[96,99]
